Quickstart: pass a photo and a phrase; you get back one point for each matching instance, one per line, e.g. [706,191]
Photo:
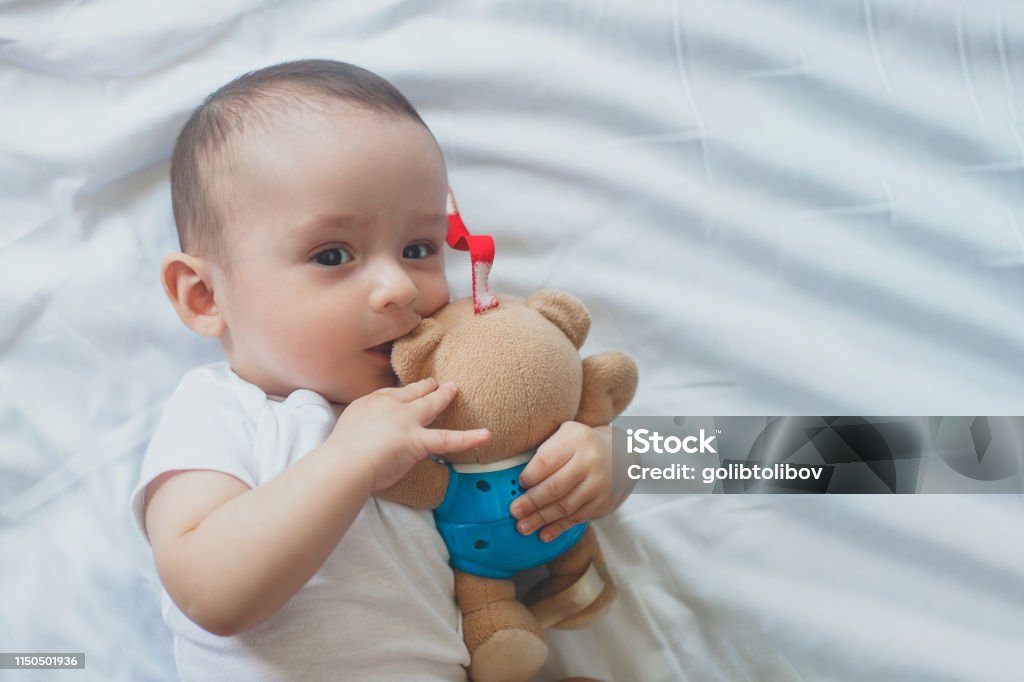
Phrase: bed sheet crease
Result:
[793,207]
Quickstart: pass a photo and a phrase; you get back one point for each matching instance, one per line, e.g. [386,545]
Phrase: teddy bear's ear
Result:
[409,353]
[609,383]
[565,310]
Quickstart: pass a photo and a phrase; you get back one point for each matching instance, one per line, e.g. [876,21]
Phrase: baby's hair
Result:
[257,99]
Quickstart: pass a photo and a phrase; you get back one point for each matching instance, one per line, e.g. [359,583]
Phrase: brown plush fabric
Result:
[504,640]
[491,604]
[611,380]
[422,488]
[519,374]
[565,311]
[566,570]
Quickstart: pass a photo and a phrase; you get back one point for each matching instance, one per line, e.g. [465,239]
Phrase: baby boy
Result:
[310,201]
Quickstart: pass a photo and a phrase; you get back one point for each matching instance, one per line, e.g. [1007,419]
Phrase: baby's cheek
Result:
[434,296]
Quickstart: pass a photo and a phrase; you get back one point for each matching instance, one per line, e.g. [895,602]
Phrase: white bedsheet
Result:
[802,207]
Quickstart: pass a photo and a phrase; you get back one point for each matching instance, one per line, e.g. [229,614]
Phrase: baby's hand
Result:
[388,429]
[569,481]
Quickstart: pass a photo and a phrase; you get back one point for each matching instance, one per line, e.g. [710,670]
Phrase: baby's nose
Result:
[392,286]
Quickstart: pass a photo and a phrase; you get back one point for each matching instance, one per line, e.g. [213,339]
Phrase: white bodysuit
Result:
[382,607]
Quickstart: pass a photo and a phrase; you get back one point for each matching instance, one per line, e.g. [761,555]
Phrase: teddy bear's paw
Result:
[511,655]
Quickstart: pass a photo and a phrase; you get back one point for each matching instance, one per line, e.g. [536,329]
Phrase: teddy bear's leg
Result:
[504,640]
[572,574]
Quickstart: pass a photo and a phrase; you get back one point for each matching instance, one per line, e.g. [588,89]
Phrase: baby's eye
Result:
[421,250]
[333,257]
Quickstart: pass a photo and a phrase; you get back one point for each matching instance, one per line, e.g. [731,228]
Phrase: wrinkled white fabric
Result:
[383,604]
[799,207]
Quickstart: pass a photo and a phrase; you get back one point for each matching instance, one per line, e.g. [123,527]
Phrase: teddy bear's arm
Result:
[423,487]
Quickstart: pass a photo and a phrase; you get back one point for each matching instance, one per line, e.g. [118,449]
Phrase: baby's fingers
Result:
[552,531]
[413,391]
[554,497]
[439,441]
[432,403]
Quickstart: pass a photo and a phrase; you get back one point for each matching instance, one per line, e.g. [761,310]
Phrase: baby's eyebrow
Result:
[332,221]
[344,220]
[432,217]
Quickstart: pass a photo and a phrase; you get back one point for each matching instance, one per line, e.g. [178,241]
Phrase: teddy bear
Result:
[519,374]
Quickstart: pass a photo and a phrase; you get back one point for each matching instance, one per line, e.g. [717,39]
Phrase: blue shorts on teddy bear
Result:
[475,522]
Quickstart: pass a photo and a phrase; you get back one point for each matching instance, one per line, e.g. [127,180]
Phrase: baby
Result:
[310,201]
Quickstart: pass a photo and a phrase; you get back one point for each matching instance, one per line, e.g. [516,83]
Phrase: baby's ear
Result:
[188,282]
[409,354]
[565,310]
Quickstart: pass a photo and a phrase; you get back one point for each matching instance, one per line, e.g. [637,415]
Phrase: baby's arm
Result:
[424,487]
[569,481]
[230,556]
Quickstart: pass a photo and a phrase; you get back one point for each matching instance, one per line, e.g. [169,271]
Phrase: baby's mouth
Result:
[384,348]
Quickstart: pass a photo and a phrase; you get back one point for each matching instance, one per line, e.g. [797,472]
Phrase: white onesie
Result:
[382,607]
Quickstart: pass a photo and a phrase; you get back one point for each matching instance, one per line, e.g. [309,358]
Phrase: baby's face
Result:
[335,238]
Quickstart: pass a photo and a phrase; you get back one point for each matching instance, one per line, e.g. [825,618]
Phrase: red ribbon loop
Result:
[481,254]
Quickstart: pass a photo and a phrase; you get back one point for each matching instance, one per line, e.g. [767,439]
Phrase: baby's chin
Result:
[347,395]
